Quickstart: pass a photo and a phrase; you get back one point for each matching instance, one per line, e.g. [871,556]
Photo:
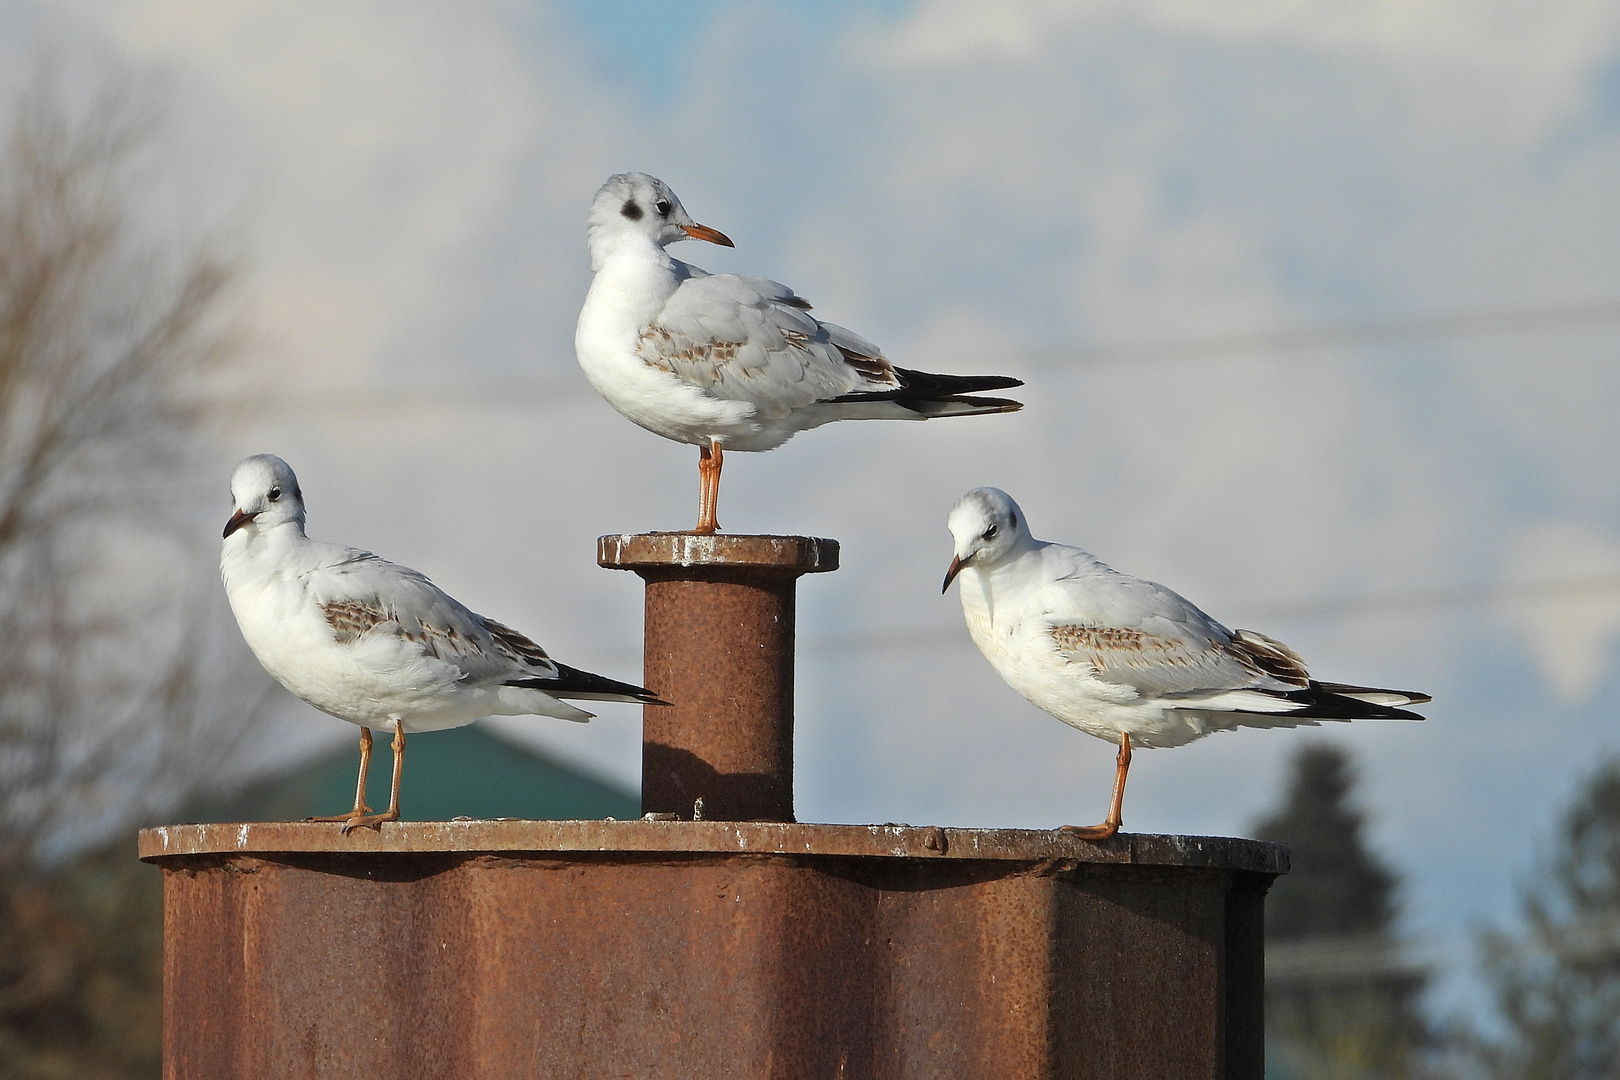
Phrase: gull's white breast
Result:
[368,682]
[1007,619]
[625,297]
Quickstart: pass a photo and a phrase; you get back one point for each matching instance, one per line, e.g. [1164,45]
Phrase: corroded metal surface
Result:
[637,551]
[719,647]
[715,837]
[680,949]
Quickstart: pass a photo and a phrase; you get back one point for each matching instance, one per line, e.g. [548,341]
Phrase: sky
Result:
[1152,212]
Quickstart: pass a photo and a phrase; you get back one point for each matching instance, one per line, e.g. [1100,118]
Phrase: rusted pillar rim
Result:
[512,836]
[686,554]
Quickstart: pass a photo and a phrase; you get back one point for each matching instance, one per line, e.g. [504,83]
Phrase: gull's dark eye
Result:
[662,206]
[275,493]
[990,533]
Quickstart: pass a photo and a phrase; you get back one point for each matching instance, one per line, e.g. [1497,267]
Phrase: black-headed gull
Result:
[728,361]
[1124,659]
[373,643]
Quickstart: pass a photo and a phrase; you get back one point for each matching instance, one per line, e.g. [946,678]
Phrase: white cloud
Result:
[380,156]
[1504,36]
[1570,623]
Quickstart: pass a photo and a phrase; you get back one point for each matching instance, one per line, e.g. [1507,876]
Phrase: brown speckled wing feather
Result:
[1157,665]
[349,619]
[1270,656]
[518,647]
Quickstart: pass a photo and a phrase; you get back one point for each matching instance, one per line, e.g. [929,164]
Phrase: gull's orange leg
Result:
[360,806]
[392,813]
[703,487]
[1122,765]
[709,461]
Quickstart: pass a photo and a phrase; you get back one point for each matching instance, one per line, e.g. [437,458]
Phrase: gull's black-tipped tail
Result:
[585,686]
[928,394]
[925,384]
[1340,701]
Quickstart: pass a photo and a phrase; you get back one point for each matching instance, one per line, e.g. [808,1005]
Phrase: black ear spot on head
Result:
[631,210]
[1012,520]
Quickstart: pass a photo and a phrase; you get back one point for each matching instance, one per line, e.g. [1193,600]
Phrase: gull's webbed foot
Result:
[1092,832]
[373,822]
[350,816]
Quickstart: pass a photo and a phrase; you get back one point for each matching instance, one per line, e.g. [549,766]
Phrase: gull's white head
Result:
[988,529]
[635,205]
[264,494]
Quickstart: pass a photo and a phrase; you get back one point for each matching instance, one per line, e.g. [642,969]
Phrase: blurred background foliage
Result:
[1344,990]
[1343,995]
[114,671]
[121,691]
[1555,975]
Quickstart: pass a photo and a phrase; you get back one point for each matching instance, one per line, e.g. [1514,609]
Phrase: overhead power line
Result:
[1078,356]
[1324,608]
[1387,332]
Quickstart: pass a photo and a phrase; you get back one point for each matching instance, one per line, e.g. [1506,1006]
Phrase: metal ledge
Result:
[513,836]
[661,551]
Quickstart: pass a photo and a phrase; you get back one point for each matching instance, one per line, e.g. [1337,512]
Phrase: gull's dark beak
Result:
[713,236]
[950,575]
[242,517]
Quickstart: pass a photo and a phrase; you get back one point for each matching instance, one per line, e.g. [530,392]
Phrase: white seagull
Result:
[373,643]
[728,360]
[1124,659]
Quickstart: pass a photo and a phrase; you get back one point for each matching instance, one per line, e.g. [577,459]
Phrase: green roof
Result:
[463,772]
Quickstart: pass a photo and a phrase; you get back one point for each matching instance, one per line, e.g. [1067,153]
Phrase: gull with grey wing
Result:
[730,361]
[374,643]
[1125,659]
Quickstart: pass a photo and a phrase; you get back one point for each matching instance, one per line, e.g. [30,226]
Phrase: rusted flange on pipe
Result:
[719,646]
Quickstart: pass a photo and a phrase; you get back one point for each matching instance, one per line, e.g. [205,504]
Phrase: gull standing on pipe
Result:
[1124,659]
[729,361]
[377,644]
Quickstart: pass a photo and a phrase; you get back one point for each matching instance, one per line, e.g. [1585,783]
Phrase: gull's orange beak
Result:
[950,575]
[238,519]
[713,236]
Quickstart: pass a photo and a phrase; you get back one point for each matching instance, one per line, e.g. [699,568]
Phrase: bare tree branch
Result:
[115,683]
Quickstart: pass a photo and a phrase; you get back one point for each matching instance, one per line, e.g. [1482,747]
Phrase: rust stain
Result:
[417,964]
[720,614]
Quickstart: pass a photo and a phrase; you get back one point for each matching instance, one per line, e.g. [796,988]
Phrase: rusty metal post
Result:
[719,647]
[665,950]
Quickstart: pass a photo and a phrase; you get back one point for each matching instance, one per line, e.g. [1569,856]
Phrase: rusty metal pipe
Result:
[719,646]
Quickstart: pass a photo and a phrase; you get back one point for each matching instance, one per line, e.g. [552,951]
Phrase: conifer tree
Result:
[1336,886]
[1556,978]
[1341,1002]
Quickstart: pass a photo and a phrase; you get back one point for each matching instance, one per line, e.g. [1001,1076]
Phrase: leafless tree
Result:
[118,684]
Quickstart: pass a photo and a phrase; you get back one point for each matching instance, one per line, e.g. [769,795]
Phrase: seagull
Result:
[729,361]
[374,643]
[1125,659]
